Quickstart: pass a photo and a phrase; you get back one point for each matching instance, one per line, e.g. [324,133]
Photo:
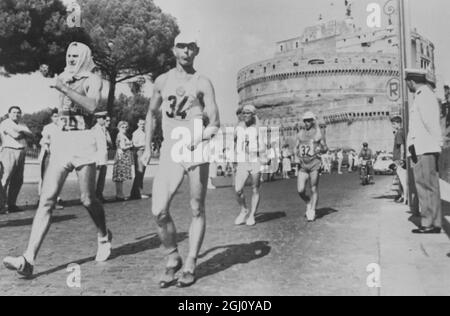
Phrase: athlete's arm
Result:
[155,105]
[323,145]
[212,111]
[89,102]
[297,147]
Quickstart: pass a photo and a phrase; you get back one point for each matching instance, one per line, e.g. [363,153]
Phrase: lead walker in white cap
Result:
[185,98]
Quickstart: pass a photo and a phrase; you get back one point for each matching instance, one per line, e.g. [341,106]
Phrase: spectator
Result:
[446,105]
[3,209]
[12,156]
[44,156]
[399,157]
[425,143]
[103,143]
[123,160]
[350,161]
[340,159]
[139,167]
[287,166]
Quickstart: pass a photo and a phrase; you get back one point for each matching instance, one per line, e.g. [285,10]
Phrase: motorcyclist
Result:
[366,154]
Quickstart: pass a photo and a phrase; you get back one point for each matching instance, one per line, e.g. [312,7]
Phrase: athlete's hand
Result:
[192,146]
[318,150]
[58,85]
[146,157]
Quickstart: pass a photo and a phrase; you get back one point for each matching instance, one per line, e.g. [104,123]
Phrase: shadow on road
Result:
[149,243]
[385,197]
[29,221]
[323,212]
[232,255]
[267,217]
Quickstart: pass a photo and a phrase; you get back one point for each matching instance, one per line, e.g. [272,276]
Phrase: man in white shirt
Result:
[425,143]
[139,167]
[44,156]
[12,156]
[103,142]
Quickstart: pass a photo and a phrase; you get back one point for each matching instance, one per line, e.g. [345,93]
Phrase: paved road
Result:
[282,255]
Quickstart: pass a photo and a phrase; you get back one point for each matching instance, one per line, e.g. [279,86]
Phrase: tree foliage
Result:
[34,32]
[129,38]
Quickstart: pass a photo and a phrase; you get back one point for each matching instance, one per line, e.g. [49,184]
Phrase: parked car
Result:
[383,164]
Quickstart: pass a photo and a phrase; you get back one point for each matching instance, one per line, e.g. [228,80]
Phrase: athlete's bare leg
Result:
[314,180]
[256,188]
[53,182]
[86,179]
[198,182]
[239,185]
[302,181]
[167,181]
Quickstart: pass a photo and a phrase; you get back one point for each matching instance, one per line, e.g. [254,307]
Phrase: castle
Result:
[349,77]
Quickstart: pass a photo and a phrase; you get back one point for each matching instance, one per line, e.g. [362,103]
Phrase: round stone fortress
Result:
[348,77]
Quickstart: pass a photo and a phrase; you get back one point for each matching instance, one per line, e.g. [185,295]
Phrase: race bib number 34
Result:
[177,108]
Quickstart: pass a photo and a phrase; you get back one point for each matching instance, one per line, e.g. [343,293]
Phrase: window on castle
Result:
[363,60]
[336,60]
[281,48]
[296,44]
[265,69]
[316,62]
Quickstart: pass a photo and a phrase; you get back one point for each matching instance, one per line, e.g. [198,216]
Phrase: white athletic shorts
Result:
[73,150]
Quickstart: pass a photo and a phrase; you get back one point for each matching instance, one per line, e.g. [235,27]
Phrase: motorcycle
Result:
[364,172]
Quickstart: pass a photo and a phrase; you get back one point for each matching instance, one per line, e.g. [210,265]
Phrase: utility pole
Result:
[405,46]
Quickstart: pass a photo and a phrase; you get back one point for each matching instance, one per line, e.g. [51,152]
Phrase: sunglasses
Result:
[247,113]
[308,121]
[190,46]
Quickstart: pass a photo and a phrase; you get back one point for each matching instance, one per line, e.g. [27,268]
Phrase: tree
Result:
[33,33]
[130,38]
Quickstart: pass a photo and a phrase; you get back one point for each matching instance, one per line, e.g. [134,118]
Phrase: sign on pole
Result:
[393,89]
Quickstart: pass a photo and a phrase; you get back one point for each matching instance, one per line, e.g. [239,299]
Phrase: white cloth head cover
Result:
[309,116]
[85,63]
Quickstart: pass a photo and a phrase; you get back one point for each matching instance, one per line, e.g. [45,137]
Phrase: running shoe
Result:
[241,219]
[104,248]
[187,279]
[251,221]
[168,279]
[19,264]
[310,213]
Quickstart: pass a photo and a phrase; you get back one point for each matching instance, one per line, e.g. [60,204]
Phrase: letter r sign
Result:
[393,89]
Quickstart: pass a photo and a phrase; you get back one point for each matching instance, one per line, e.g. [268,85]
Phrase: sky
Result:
[236,33]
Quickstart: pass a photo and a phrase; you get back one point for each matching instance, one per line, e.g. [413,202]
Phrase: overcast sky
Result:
[235,33]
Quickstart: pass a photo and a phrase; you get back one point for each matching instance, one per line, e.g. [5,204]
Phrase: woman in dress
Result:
[287,166]
[123,160]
